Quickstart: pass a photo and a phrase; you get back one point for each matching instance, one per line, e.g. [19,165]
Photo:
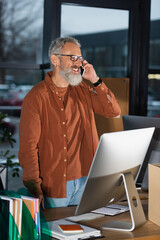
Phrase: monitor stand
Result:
[135,207]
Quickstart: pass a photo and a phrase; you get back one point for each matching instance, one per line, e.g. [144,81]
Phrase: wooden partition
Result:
[120,87]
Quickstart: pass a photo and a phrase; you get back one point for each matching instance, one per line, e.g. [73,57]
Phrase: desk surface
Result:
[149,231]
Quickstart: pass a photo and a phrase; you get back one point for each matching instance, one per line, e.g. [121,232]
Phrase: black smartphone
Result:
[82,71]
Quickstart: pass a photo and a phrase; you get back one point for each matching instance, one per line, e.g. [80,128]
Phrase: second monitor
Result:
[131,122]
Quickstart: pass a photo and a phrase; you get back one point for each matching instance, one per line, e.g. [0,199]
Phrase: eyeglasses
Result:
[73,58]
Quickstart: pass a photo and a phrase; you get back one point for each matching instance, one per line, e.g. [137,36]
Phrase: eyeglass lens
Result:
[75,58]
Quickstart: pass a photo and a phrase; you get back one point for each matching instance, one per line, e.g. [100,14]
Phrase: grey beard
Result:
[73,80]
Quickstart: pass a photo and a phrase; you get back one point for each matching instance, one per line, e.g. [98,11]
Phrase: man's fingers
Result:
[42,204]
[41,201]
[85,63]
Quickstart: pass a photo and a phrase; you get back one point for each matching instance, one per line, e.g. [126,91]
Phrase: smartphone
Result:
[82,71]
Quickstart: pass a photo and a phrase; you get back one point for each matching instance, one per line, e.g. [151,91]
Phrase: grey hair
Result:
[59,43]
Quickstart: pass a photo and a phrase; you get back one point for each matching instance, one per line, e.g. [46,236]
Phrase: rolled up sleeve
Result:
[104,101]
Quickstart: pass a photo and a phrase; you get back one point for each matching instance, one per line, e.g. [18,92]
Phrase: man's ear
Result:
[55,60]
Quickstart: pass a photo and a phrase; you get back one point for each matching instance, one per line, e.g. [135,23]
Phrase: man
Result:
[58,136]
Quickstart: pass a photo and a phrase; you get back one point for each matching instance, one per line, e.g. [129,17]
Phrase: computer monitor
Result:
[153,155]
[135,122]
[116,164]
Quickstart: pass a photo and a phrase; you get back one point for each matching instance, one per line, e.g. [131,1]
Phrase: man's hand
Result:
[41,201]
[90,73]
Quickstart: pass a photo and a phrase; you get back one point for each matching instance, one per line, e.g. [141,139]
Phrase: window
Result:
[21,34]
[21,28]
[21,31]
[104,38]
[154,62]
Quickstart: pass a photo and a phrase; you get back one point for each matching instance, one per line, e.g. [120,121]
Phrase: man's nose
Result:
[78,63]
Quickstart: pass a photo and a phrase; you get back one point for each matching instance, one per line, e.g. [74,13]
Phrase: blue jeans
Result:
[74,192]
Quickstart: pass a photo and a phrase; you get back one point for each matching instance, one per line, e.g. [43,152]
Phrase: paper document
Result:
[52,229]
[112,209]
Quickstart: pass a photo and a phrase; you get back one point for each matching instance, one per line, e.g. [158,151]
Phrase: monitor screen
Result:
[153,155]
[136,122]
[117,153]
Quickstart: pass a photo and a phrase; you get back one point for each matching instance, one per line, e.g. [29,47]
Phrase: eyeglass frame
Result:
[78,57]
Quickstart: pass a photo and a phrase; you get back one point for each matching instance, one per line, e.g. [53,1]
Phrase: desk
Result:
[149,231]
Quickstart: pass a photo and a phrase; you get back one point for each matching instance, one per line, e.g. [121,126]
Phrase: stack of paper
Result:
[55,229]
[19,217]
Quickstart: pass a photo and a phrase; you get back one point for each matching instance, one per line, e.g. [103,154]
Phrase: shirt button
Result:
[102,88]
[62,109]
[57,93]
[63,123]
[60,98]
[109,98]
[65,148]
[65,160]
[64,135]
[64,175]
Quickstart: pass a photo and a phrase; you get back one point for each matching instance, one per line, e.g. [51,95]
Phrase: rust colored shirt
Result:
[58,136]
